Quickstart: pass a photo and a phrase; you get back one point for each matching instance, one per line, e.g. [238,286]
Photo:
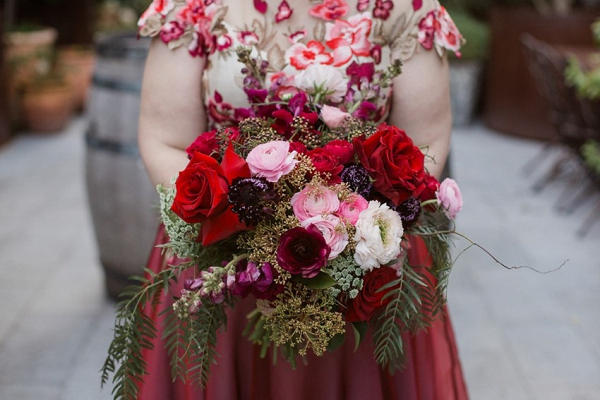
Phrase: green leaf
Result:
[320,282]
[335,342]
[360,330]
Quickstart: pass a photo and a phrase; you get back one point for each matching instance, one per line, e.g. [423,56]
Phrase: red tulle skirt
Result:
[432,372]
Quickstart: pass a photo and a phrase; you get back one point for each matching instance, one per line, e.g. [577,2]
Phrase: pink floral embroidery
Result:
[171,31]
[329,10]
[348,38]
[220,112]
[376,54]
[437,29]
[362,5]
[198,16]
[417,4]
[247,38]
[382,9]
[283,12]
[302,55]
[224,42]
[161,7]
[297,36]
[281,84]
[260,6]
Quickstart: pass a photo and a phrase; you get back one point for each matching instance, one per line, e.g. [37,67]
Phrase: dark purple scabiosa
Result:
[303,251]
[249,198]
[358,179]
[409,210]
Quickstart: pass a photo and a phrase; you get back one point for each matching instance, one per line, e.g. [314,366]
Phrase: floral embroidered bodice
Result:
[348,46]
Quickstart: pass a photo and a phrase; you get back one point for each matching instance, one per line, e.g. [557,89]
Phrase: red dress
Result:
[359,39]
[432,372]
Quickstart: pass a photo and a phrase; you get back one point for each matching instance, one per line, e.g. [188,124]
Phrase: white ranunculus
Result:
[378,235]
[324,79]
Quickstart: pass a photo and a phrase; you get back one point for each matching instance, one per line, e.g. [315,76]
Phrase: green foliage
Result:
[191,343]
[591,155]
[587,83]
[476,33]
[348,275]
[133,332]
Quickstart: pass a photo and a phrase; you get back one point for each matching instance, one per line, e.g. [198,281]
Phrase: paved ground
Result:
[522,335]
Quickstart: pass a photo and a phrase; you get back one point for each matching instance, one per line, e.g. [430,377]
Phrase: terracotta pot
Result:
[512,104]
[77,65]
[47,108]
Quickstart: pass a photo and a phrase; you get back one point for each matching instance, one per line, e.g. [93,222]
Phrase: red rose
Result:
[324,161]
[430,186]
[201,195]
[342,149]
[369,299]
[206,143]
[393,161]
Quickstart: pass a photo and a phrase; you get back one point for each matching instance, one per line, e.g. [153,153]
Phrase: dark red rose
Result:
[206,143]
[393,161]
[342,149]
[303,251]
[430,186]
[201,195]
[324,161]
[369,299]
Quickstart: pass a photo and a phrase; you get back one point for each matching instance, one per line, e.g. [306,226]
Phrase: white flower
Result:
[378,235]
[324,79]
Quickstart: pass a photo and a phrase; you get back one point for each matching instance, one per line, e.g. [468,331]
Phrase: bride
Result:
[193,83]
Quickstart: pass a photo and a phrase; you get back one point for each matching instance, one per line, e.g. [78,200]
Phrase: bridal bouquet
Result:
[332,224]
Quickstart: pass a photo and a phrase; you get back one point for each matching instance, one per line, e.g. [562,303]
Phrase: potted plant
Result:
[76,63]
[466,71]
[512,104]
[47,103]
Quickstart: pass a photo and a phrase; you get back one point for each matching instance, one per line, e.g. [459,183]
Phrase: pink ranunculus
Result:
[449,198]
[351,208]
[333,116]
[272,160]
[314,201]
[333,231]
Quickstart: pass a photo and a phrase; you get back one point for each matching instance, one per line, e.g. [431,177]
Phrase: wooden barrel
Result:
[122,199]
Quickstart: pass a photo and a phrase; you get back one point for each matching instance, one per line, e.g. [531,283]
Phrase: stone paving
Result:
[521,335]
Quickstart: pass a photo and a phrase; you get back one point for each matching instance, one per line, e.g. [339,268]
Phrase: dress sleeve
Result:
[419,25]
[183,23]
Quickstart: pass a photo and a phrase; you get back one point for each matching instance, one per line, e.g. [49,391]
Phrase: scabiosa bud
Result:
[409,211]
[249,196]
[357,178]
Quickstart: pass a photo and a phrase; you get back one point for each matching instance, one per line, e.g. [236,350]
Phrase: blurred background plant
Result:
[586,81]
